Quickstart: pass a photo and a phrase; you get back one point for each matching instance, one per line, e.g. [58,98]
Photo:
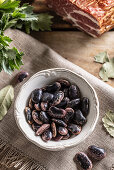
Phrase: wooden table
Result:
[79,47]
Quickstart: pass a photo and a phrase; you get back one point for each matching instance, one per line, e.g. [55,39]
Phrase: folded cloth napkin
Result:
[15,149]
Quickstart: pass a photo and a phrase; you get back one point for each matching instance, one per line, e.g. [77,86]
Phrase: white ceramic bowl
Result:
[41,79]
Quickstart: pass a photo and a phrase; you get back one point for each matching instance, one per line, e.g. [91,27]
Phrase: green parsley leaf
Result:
[9,6]
[108,122]
[107,70]
[12,15]
[102,57]
[10,58]
[33,21]
[44,22]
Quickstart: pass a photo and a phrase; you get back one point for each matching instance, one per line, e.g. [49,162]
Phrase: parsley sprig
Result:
[12,15]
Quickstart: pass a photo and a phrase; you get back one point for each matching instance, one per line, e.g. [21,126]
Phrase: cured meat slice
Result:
[92,16]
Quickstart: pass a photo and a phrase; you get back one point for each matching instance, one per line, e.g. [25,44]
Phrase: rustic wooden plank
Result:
[79,47]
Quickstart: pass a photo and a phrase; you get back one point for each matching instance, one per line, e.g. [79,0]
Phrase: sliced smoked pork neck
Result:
[92,16]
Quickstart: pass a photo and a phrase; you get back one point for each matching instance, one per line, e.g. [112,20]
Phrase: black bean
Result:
[74,104]
[52,88]
[74,129]
[35,126]
[74,92]
[63,103]
[28,115]
[35,116]
[58,138]
[54,129]
[64,83]
[67,136]
[58,97]
[44,117]
[62,130]
[96,152]
[47,97]
[59,122]
[84,161]
[85,106]
[21,76]
[42,129]
[44,106]
[56,112]
[69,115]
[36,95]
[66,92]
[37,107]
[47,135]
[79,118]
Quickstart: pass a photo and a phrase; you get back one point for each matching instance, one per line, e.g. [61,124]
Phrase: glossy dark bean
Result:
[52,88]
[74,129]
[42,129]
[58,97]
[35,126]
[31,104]
[54,129]
[47,135]
[63,103]
[56,112]
[44,117]
[85,106]
[62,130]
[47,97]
[35,116]
[44,106]
[84,161]
[28,115]
[79,118]
[74,104]
[96,152]
[58,138]
[59,122]
[64,83]
[69,115]
[65,137]
[66,92]
[36,95]
[37,107]
[21,76]
[74,92]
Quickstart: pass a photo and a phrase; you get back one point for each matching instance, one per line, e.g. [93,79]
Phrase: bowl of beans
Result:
[56,109]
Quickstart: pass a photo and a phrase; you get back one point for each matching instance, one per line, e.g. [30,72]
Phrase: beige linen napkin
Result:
[23,153]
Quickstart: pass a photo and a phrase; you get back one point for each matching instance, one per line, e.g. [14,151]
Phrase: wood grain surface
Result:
[72,44]
[79,47]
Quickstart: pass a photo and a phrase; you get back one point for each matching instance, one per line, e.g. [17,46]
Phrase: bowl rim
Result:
[61,147]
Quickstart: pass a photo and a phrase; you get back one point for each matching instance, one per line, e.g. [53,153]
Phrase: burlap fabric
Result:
[15,150]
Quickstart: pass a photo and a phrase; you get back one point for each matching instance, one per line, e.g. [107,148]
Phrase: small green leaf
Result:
[44,23]
[102,57]
[6,98]
[108,122]
[110,130]
[110,115]
[8,5]
[107,70]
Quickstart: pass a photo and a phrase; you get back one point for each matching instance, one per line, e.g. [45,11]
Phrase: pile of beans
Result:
[57,111]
